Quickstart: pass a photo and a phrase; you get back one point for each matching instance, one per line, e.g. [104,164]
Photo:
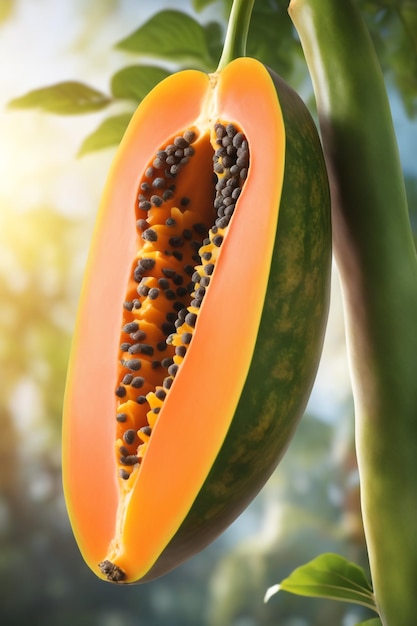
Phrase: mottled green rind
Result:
[288,346]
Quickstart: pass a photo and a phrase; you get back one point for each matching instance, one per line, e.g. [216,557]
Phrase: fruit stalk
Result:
[376,259]
[237,32]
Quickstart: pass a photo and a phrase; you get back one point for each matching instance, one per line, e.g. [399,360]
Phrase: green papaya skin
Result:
[288,346]
[244,383]
[376,259]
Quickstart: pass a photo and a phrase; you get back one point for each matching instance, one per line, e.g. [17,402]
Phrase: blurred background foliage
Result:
[71,78]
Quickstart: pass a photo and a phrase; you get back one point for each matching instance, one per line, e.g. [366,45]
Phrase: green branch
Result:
[237,32]
[377,262]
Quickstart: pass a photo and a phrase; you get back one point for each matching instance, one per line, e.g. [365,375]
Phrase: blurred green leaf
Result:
[136,81]
[65,98]
[215,38]
[271,37]
[199,5]
[406,57]
[329,576]
[408,14]
[371,622]
[107,135]
[393,28]
[37,273]
[171,35]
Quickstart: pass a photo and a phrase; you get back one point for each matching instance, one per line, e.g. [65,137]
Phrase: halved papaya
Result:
[201,319]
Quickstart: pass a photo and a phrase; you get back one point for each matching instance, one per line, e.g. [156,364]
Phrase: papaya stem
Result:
[237,32]
[377,264]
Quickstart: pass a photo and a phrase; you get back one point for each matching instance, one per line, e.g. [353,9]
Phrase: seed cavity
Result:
[181,238]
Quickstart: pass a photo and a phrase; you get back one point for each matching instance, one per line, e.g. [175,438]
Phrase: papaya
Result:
[201,318]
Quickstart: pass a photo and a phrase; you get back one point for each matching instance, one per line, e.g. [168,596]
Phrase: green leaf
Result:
[215,39]
[222,10]
[65,98]
[108,134]
[136,81]
[199,5]
[271,37]
[171,35]
[375,621]
[329,576]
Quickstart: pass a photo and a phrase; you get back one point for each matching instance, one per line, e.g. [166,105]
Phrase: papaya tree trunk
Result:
[376,259]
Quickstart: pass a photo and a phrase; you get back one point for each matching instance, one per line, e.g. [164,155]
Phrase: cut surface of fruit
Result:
[170,313]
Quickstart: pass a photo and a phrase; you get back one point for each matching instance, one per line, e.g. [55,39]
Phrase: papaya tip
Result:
[112,572]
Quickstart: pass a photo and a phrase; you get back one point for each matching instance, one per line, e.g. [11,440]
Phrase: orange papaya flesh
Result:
[203,322]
